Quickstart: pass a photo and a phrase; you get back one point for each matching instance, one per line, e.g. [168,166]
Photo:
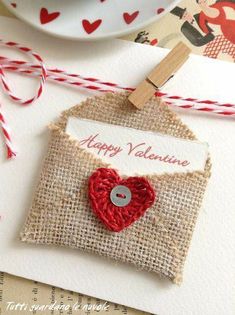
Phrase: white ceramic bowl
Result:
[89,19]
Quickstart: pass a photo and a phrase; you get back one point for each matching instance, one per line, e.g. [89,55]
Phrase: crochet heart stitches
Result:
[116,218]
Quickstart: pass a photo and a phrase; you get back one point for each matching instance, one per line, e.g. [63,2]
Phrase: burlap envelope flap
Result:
[61,213]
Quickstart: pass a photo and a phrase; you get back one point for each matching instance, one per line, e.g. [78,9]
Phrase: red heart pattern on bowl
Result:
[130,17]
[46,17]
[160,10]
[90,27]
[99,19]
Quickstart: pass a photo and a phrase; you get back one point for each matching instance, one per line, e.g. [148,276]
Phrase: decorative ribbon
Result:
[39,70]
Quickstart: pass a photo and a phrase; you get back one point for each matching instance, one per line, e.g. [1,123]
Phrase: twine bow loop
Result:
[14,65]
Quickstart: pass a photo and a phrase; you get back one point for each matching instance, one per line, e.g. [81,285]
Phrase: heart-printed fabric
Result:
[116,217]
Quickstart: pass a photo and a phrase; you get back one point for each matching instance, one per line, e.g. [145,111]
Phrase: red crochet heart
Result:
[116,218]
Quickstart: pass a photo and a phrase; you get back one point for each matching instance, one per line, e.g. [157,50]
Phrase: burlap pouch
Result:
[61,213]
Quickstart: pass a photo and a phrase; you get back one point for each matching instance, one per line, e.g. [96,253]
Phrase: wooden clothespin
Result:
[160,75]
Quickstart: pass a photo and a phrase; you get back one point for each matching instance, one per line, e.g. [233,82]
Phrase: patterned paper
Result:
[192,23]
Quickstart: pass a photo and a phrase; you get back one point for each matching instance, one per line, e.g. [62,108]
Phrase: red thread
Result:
[115,218]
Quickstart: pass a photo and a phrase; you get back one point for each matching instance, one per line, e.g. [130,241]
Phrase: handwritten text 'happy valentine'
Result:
[138,150]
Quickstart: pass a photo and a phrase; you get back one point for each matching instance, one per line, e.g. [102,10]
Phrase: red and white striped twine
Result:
[10,150]
[8,142]
[40,71]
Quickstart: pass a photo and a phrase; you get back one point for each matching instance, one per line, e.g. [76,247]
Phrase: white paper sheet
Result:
[137,152]
[208,286]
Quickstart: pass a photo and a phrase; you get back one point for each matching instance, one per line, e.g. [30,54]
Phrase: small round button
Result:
[120,196]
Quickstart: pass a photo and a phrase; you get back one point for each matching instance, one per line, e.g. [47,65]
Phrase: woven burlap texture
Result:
[61,214]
